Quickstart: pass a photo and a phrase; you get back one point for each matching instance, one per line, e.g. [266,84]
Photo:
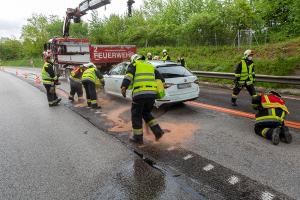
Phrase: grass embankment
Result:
[36,62]
[279,59]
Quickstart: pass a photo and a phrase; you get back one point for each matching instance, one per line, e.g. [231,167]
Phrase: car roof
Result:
[160,63]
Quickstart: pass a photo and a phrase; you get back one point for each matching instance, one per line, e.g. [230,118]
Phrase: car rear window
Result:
[173,71]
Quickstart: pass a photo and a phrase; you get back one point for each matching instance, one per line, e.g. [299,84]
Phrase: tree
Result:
[10,49]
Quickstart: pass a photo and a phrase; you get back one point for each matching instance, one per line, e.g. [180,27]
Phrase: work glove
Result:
[123,91]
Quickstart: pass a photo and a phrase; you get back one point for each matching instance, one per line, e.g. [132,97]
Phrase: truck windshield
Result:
[173,71]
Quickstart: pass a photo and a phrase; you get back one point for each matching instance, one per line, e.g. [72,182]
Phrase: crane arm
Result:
[82,9]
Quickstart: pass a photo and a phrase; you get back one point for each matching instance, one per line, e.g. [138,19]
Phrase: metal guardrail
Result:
[294,80]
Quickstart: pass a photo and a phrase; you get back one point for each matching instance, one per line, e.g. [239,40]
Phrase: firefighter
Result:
[244,76]
[142,78]
[181,61]
[149,56]
[49,80]
[75,82]
[271,111]
[89,78]
[165,56]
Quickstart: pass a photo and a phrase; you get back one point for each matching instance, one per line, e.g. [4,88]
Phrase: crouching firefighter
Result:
[270,118]
[143,79]
[49,80]
[75,83]
[89,78]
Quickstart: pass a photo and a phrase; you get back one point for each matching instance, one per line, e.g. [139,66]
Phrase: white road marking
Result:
[171,148]
[188,157]
[208,167]
[233,180]
[97,112]
[267,196]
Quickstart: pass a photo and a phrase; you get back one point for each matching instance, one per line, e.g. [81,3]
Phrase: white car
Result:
[182,84]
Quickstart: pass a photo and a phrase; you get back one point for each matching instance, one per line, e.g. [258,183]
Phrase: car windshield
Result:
[173,71]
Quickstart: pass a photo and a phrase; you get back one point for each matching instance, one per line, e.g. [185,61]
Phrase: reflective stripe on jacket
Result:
[247,72]
[90,74]
[76,74]
[46,78]
[165,58]
[271,101]
[144,79]
[273,109]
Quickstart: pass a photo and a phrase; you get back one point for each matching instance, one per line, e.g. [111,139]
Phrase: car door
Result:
[118,77]
[109,79]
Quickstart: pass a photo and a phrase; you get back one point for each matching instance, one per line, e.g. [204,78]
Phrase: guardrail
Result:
[294,80]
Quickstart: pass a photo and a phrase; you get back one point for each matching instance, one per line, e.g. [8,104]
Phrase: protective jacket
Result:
[270,108]
[91,74]
[244,72]
[76,74]
[48,75]
[165,57]
[141,78]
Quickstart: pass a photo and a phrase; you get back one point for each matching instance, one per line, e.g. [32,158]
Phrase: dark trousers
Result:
[237,89]
[265,129]
[91,95]
[51,93]
[76,88]
[141,109]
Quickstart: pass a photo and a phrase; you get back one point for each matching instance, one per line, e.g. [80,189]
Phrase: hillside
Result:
[272,59]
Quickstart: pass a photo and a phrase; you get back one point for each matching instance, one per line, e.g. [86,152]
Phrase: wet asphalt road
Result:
[53,153]
[226,142]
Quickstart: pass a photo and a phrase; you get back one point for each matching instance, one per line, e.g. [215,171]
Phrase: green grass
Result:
[272,59]
[279,59]
[37,62]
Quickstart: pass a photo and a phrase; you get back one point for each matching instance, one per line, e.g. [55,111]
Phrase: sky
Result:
[14,13]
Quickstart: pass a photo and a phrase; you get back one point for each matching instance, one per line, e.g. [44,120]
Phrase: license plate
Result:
[184,85]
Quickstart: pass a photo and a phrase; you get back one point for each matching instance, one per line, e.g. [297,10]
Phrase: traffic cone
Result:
[17,73]
[25,75]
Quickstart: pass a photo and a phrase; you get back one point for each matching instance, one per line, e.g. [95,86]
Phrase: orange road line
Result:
[237,113]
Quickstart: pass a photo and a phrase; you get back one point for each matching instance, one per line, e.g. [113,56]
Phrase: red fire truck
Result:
[67,52]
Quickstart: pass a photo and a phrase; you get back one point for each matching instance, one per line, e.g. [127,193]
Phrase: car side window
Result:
[124,68]
[116,70]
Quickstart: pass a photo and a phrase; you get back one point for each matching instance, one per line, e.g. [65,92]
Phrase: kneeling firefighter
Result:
[89,78]
[49,80]
[142,77]
[75,82]
[270,117]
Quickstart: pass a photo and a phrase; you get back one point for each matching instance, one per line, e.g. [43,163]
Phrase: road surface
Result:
[214,152]
[53,153]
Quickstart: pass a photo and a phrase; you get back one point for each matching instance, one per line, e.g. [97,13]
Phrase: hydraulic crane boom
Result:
[82,9]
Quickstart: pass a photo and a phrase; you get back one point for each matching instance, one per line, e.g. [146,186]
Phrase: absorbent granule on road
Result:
[120,125]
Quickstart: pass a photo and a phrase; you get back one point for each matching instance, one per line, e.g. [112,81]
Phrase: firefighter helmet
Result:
[248,52]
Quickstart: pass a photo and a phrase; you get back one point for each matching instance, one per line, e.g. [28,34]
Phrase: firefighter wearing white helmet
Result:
[165,56]
[244,77]
[149,56]
[89,78]
[142,77]
[49,80]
